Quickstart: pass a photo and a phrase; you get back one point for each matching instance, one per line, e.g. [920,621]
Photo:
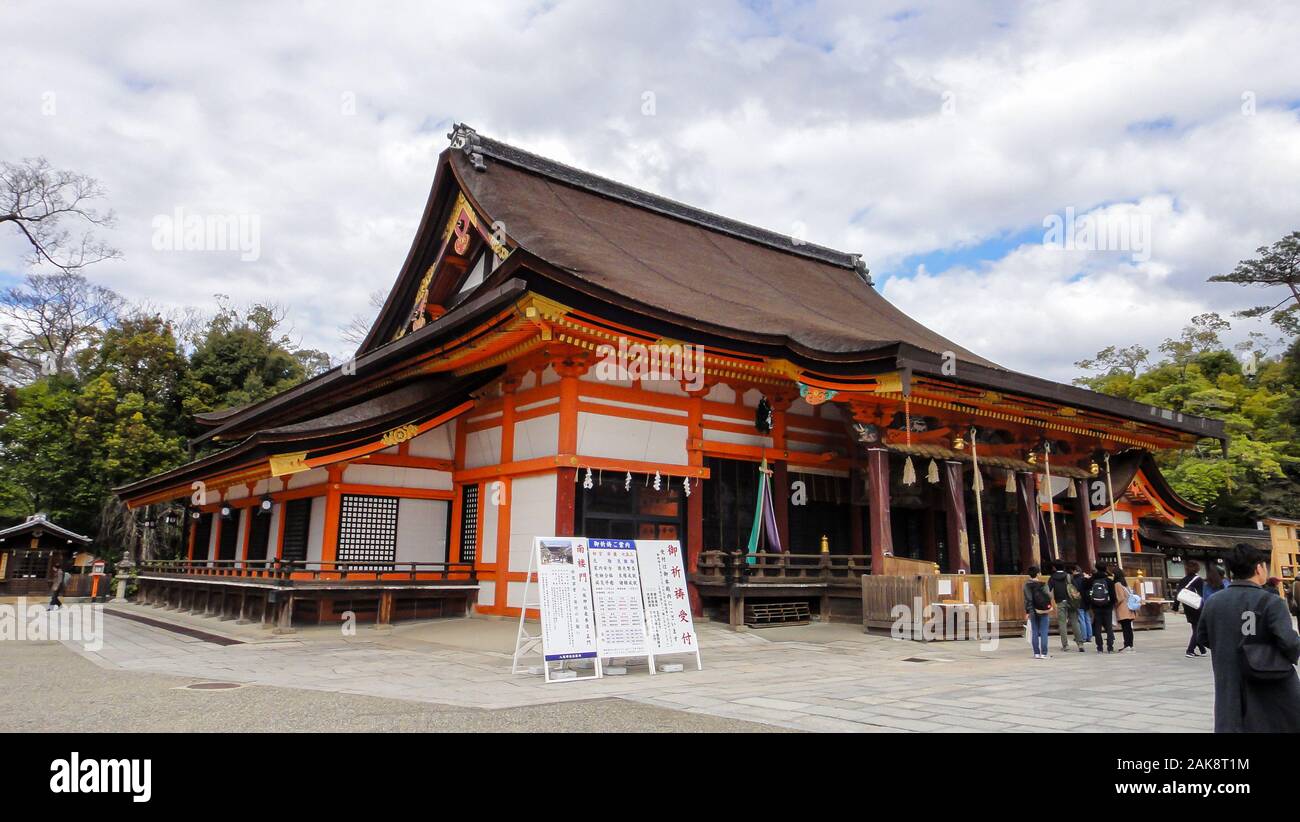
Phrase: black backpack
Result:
[1038,593]
[1099,593]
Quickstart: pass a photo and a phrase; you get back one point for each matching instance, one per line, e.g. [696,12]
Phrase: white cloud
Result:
[825,114]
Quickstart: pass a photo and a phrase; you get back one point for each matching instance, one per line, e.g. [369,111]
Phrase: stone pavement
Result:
[813,678]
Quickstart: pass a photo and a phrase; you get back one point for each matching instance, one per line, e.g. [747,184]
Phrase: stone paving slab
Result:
[816,678]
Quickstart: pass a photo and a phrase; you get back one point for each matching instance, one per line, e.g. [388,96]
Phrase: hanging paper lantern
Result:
[587,481]
[657,481]
[932,473]
[627,482]
[909,472]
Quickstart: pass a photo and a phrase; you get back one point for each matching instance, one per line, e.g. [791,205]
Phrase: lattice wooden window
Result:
[468,523]
[367,530]
[297,519]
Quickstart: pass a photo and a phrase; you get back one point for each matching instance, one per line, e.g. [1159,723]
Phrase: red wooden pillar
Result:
[329,547]
[212,551]
[566,493]
[882,537]
[194,530]
[955,507]
[509,385]
[1029,519]
[695,502]
[1085,536]
[781,479]
[929,534]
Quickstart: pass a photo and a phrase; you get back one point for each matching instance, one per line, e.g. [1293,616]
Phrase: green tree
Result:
[1276,267]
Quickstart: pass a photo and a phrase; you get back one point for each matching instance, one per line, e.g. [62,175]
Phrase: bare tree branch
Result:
[39,201]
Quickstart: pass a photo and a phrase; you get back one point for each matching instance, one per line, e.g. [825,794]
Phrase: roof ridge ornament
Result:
[467,140]
[860,266]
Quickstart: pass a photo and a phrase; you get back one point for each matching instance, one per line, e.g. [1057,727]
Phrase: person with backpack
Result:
[1067,601]
[1038,607]
[1253,649]
[1080,581]
[1101,595]
[1127,604]
[1193,583]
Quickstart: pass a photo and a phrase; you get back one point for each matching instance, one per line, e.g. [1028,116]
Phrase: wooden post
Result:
[695,502]
[929,534]
[1029,519]
[780,477]
[329,549]
[955,506]
[385,613]
[1085,536]
[882,537]
[284,620]
[508,387]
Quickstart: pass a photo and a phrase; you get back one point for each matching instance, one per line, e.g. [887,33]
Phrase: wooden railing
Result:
[315,571]
[762,568]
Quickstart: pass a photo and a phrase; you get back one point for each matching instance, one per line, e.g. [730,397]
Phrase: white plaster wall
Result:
[316,529]
[483,448]
[672,387]
[796,445]
[397,477]
[271,542]
[515,594]
[738,439]
[305,478]
[422,530]
[487,592]
[235,492]
[488,515]
[620,438]
[212,537]
[435,444]
[537,437]
[549,376]
[532,514]
[239,536]
[721,393]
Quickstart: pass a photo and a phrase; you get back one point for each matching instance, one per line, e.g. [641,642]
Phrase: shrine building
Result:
[562,354]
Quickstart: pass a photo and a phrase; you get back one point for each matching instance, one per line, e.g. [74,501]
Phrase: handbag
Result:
[1189,598]
[1134,602]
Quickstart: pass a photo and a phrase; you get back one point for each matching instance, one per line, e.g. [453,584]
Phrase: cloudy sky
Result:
[935,139]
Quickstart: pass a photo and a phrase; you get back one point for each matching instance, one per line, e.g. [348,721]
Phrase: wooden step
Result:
[768,614]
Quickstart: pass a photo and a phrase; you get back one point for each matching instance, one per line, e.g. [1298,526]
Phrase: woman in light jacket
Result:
[1123,614]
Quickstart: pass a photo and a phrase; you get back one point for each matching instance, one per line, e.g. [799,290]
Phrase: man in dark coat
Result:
[1101,596]
[1241,704]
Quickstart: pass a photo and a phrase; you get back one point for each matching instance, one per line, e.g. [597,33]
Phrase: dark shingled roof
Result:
[687,263]
[1201,537]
